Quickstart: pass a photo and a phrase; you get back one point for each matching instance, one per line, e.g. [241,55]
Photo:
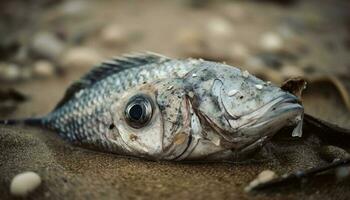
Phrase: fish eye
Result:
[138,111]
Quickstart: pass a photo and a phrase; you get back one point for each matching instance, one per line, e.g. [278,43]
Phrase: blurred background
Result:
[285,37]
[273,39]
[46,44]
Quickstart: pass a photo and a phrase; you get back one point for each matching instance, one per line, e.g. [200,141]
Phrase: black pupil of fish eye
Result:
[136,112]
[139,111]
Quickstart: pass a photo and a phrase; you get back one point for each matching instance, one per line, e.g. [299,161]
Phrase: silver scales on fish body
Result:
[151,106]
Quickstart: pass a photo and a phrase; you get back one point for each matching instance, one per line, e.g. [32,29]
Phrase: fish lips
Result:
[286,104]
[285,110]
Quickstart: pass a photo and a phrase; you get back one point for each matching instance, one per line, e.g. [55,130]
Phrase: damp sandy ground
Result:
[70,172]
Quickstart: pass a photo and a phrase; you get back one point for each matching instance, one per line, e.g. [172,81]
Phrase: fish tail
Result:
[29,121]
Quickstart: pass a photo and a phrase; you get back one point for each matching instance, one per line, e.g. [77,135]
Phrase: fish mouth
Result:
[285,104]
[285,110]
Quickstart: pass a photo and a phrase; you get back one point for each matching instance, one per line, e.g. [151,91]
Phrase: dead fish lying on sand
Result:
[159,108]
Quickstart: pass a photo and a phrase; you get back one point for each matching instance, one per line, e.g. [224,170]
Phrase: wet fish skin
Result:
[197,109]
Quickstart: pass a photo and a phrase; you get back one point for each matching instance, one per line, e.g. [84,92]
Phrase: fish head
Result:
[236,110]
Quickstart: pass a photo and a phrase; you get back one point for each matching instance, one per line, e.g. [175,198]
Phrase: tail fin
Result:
[29,121]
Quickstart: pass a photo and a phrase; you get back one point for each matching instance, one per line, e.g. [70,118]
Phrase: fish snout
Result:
[285,110]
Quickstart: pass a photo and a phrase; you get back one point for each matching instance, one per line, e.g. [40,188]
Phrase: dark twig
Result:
[299,175]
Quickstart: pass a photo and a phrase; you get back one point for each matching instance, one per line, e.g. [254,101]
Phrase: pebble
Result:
[24,183]
[263,177]
[81,57]
[114,35]
[271,42]
[9,72]
[43,68]
[47,45]
[220,27]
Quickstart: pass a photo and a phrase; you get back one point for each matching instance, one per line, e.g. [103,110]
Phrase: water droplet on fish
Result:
[232,92]
[259,87]
[170,87]
[78,94]
[194,61]
[190,94]
[245,74]
[305,85]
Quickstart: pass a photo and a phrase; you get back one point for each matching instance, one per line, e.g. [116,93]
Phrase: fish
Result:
[150,106]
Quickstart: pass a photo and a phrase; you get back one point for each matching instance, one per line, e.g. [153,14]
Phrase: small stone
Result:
[9,72]
[220,27]
[266,175]
[81,57]
[271,42]
[47,45]
[43,68]
[263,177]
[114,35]
[24,183]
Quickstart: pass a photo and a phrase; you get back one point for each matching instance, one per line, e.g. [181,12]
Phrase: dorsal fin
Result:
[109,67]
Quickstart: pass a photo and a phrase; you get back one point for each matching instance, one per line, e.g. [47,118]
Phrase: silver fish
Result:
[158,108]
